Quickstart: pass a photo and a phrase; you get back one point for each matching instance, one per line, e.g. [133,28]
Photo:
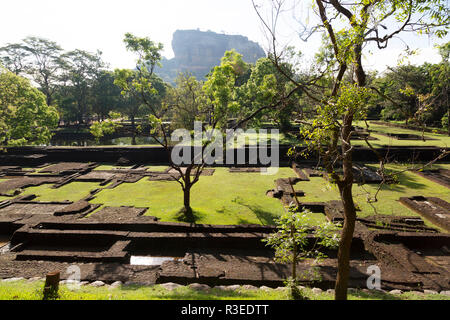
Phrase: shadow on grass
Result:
[405,181]
[265,217]
[240,220]
[183,216]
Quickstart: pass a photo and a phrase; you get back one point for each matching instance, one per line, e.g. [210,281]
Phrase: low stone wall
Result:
[158,155]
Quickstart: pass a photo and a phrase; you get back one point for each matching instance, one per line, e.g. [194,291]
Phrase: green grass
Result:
[73,191]
[223,198]
[442,140]
[410,184]
[239,198]
[23,290]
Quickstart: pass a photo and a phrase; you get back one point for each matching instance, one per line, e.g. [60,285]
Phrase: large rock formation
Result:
[197,52]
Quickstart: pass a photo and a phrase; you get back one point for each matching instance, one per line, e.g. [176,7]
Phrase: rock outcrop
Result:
[197,52]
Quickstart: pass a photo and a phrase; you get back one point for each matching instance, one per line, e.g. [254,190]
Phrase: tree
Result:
[220,88]
[185,101]
[106,95]
[293,242]
[138,84]
[402,85]
[14,57]
[107,126]
[45,64]
[25,118]
[38,58]
[347,27]
[81,70]
[267,84]
[441,84]
[139,101]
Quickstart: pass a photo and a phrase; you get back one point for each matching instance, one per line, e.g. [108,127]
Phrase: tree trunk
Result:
[294,256]
[133,124]
[345,243]
[187,200]
[49,98]
[345,189]
[187,195]
[133,129]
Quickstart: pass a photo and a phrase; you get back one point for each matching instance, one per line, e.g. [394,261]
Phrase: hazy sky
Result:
[101,24]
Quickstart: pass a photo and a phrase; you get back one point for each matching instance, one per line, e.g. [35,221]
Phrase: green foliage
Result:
[101,128]
[106,95]
[81,70]
[411,88]
[220,87]
[25,118]
[295,229]
[149,52]
[141,86]
[13,57]
[444,121]
[265,87]
[38,58]
[293,242]
[351,100]
[185,101]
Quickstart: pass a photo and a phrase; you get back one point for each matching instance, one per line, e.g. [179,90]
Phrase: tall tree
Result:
[402,85]
[267,84]
[440,77]
[185,101]
[14,57]
[80,71]
[25,118]
[45,64]
[137,101]
[347,27]
[220,88]
[106,95]
[138,84]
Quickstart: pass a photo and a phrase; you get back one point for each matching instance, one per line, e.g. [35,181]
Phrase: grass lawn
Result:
[239,198]
[73,191]
[23,290]
[410,184]
[223,198]
[442,140]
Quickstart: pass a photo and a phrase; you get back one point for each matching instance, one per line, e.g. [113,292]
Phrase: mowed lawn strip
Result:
[23,290]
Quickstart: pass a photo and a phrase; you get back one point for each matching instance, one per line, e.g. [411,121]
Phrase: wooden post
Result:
[51,285]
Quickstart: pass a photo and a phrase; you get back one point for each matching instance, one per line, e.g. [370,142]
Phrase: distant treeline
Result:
[82,88]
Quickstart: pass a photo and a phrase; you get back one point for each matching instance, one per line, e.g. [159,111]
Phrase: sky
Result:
[93,25]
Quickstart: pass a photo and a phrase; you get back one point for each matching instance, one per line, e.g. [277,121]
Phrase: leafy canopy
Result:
[25,117]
